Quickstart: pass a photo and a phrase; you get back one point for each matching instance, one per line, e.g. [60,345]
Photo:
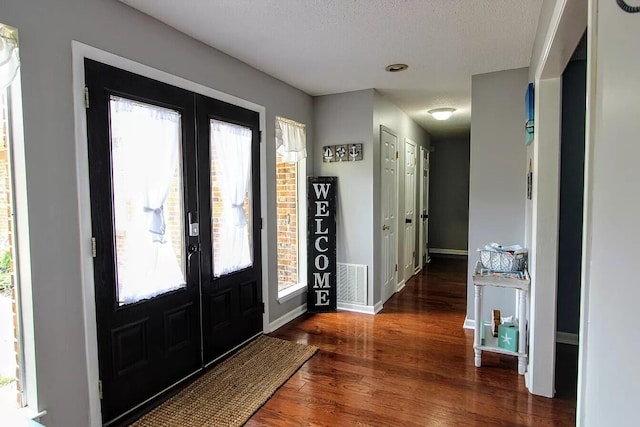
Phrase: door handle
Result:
[424,216]
[191,250]
[408,220]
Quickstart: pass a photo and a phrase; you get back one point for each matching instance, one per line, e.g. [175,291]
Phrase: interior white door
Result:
[388,201]
[409,209]
[424,241]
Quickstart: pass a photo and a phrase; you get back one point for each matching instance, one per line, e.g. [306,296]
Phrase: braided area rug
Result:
[229,393]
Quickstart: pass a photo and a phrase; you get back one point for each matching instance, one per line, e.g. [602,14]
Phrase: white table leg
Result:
[522,331]
[477,336]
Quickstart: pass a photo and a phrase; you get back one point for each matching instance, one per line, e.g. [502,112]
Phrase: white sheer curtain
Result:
[231,153]
[9,59]
[291,140]
[146,148]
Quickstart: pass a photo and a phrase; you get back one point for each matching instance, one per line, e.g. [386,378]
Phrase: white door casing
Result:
[424,208]
[388,201]
[421,253]
[409,209]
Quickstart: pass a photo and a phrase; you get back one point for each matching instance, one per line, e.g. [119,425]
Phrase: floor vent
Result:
[352,283]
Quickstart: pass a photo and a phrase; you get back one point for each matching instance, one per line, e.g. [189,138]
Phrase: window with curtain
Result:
[291,156]
[231,202]
[9,59]
[147,199]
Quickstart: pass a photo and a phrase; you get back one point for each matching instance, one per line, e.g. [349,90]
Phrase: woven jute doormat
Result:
[232,391]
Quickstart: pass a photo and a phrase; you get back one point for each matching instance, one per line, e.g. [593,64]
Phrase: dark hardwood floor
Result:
[410,365]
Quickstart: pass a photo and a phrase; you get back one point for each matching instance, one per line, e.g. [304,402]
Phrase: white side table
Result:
[491,343]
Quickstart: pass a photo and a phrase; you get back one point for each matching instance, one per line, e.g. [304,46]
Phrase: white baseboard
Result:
[288,317]
[469,323]
[567,338]
[400,286]
[357,308]
[448,251]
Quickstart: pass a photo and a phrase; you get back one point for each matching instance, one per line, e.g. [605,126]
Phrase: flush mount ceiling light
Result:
[441,113]
[394,68]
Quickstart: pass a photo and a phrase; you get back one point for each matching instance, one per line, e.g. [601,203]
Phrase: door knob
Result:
[385,227]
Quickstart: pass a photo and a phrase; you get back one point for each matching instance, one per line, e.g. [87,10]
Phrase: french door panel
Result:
[145,342]
[229,137]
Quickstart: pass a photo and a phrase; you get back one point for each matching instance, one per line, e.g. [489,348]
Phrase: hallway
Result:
[410,365]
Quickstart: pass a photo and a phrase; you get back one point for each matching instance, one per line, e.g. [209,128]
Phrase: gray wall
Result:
[46,30]
[574,94]
[342,119]
[497,181]
[389,115]
[449,194]
[350,118]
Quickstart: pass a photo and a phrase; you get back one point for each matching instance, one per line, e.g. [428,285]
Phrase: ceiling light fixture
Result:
[441,113]
[394,68]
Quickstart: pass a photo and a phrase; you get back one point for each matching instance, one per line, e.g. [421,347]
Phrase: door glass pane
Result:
[230,197]
[147,199]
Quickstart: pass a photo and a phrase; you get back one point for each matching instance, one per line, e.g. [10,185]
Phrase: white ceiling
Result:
[331,46]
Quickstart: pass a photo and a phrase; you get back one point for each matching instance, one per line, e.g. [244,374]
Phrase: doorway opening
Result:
[572,160]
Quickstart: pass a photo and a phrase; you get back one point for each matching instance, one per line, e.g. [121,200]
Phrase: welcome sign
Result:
[321,244]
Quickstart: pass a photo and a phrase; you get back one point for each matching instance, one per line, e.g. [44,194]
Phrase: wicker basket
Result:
[503,261]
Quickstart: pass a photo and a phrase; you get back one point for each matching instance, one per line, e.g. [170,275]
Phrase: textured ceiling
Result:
[332,46]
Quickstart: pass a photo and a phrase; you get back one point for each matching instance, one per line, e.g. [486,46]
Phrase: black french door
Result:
[231,287]
[164,205]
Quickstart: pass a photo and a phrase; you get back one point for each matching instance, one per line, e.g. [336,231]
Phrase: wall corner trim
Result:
[378,307]
[469,323]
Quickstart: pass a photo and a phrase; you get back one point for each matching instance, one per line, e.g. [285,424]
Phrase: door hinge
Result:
[86,97]
[100,389]
[261,223]
[262,308]
[94,250]
[396,267]
[260,136]
[397,154]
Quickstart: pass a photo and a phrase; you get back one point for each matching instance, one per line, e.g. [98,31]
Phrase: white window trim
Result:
[291,292]
[22,252]
[301,287]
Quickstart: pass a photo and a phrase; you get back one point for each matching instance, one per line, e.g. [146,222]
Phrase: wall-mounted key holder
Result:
[341,153]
